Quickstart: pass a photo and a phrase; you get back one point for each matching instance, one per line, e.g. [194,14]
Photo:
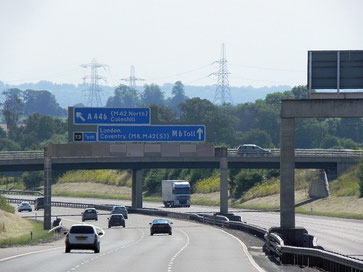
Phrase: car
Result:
[247,149]
[89,214]
[39,203]
[24,206]
[83,236]
[160,226]
[116,220]
[120,210]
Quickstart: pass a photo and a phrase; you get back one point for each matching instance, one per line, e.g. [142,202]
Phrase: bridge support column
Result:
[137,178]
[223,165]
[47,190]
[287,173]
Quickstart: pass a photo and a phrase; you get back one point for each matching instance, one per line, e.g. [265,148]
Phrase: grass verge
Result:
[39,235]
[346,215]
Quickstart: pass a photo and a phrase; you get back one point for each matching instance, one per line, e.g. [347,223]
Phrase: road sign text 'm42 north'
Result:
[152,133]
[112,116]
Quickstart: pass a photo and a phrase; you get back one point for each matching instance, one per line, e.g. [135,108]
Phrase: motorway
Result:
[343,236]
[192,247]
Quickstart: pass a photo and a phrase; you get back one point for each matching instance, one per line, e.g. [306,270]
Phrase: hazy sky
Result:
[167,40]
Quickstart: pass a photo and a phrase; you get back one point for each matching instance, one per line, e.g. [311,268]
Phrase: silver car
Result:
[250,149]
[89,214]
[24,206]
[120,210]
[82,236]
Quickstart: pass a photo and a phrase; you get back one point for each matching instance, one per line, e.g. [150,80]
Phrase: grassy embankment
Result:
[343,202]
[15,230]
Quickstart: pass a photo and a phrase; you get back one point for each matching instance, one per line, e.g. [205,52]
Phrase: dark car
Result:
[116,220]
[160,226]
[120,210]
[252,149]
[39,203]
[83,237]
[24,206]
[89,214]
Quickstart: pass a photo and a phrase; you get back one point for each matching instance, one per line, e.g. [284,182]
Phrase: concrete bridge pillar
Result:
[137,178]
[223,165]
[47,190]
[287,173]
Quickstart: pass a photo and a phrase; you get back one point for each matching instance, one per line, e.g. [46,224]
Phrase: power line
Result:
[132,79]
[223,93]
[94,91]
[183,73]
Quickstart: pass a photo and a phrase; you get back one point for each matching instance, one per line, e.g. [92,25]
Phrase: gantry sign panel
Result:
[335,69]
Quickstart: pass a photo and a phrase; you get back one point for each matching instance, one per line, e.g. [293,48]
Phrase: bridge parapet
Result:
[131,150]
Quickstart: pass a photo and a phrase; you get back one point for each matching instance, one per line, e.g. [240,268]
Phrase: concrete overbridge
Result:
[139,156]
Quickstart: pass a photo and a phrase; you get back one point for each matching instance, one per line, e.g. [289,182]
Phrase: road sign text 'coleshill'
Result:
[152,133]
[112,116]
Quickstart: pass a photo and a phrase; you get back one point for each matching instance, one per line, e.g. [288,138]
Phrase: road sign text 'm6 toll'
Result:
[152,133]
[112,116]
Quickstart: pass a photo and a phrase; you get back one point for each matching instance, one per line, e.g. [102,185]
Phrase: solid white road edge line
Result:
[245,250]
[28,253]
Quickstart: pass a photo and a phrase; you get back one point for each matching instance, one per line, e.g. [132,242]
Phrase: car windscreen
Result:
[160,221]
[81,229]
[90,211]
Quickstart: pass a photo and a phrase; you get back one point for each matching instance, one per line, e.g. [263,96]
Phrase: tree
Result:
[178,96]
[13,108]
[152,95]
[219,125]
[42,102]
[259,137]
[41,127]
[123,97]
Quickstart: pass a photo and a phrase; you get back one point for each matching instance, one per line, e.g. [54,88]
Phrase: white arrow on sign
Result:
[200,132]
[79,115]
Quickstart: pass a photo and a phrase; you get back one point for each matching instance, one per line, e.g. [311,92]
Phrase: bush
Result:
[5,206]
[207,185]
[245,180]
[153,180]
[32,179]
[110,177]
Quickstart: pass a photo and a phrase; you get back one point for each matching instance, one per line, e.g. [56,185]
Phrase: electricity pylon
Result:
[223,93]
[94,91]
[132,79]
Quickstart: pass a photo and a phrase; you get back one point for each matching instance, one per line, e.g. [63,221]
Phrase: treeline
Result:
[35,119]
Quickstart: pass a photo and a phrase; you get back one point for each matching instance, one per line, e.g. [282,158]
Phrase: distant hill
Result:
[70,94]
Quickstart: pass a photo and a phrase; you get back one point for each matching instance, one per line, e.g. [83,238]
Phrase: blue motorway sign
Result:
[112,116]
[153,133]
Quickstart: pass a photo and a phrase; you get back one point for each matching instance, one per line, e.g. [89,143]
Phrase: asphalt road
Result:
[339,235]
[192,247]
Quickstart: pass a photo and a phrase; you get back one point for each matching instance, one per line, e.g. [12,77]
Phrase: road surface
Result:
[192,247]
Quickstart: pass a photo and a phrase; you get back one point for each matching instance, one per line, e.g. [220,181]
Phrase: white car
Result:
[82,236]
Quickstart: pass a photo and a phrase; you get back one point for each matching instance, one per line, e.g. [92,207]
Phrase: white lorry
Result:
[175,193]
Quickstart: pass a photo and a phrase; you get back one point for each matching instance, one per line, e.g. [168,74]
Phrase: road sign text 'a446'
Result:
[112,116]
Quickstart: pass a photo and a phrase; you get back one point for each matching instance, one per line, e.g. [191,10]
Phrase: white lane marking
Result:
[28,253]
[171,263]
[245,250]
[110,251]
